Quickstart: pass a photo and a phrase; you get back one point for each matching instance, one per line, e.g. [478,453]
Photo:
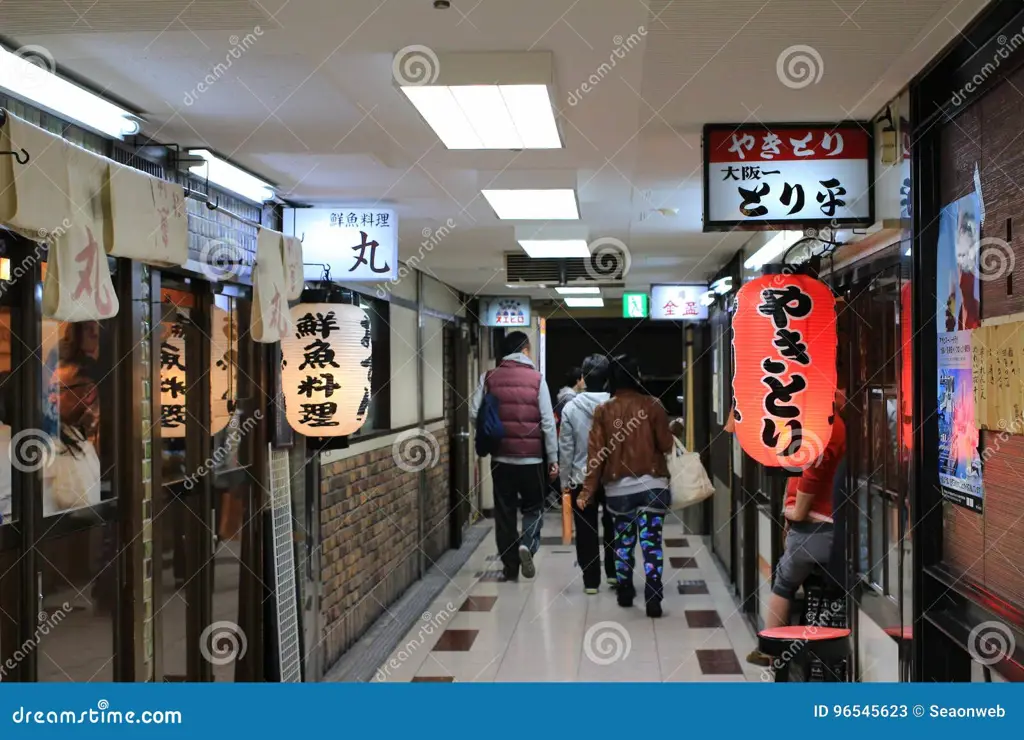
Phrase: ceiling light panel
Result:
[584,302]
[577,290]
[555,248]
[533,205]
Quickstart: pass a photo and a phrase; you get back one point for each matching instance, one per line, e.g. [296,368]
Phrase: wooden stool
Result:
[827,644]
[904,637]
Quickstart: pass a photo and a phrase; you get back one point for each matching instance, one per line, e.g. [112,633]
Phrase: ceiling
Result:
[311,105]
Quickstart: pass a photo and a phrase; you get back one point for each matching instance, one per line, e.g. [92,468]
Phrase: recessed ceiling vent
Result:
[601,269]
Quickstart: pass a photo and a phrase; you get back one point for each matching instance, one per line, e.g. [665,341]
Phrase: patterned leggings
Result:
[649,524]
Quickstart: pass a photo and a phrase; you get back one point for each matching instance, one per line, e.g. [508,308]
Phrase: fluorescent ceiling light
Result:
[722,285]
[775,247]
[534,205]
[584,302]
[488,116]
[555,248]
[226,175]
[577,290]
[42,88]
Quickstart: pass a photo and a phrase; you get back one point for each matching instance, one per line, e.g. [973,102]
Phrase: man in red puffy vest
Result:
[518,467]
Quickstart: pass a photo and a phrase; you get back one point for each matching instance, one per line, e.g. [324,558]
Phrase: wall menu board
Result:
[996,364]
[958,314]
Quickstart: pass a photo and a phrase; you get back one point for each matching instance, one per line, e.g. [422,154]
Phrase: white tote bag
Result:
[688,479]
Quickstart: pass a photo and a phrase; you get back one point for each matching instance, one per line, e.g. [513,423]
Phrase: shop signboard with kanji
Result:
[764,177]
[357,243]
[678,302]
[505,311]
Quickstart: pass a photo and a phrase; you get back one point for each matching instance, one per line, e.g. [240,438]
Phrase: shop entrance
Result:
[60,543]
[207,524]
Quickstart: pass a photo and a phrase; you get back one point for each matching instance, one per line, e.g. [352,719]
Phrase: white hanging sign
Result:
[505,311]
[678,302]
[357,242]
[270,318]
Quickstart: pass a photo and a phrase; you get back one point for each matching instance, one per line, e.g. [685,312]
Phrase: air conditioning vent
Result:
[604,269]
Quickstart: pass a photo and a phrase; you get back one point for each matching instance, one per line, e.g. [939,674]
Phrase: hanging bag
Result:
[688,479]
[489,429]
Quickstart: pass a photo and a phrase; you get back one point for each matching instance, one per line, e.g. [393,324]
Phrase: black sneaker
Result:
[508,578]
[654,608]
[625,596]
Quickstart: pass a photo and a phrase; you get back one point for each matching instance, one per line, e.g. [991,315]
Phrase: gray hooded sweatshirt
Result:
[577,417]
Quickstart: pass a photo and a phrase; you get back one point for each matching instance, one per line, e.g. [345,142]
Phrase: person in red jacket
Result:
[518,467]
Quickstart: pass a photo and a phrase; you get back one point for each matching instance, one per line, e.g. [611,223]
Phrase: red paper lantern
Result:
[784,380]
[907,366]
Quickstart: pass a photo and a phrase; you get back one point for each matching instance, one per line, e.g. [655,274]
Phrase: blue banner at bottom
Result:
[492,711]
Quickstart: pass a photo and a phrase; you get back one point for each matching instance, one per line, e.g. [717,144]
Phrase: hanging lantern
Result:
[906,366]
[223,373]
[172,376]
[326,369]
[784,382]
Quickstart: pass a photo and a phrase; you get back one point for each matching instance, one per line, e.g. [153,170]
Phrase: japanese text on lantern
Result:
[318,360]
[172,377]
[780,305]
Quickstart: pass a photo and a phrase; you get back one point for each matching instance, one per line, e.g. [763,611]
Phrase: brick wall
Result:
[436,536]
[989,548]
[368,524]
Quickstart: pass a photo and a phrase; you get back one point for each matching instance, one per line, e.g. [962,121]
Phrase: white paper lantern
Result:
[326,369]
[172,377]
[223,373]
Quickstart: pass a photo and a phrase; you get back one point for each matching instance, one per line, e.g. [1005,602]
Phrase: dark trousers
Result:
[589,545]
[517,487]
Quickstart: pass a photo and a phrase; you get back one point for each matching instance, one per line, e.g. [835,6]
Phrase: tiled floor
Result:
[547,629]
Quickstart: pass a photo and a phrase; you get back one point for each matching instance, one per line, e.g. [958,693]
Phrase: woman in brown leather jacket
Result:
[626,450]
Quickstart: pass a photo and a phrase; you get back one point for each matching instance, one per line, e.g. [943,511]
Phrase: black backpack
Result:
[489,429]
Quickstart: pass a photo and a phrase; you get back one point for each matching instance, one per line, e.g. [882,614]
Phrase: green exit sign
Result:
[634,305]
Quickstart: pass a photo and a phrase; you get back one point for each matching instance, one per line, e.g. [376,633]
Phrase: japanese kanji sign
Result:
[271,321]
[763,176]
[678,302]
[326,369]
[514,312]
[784,380]
[357,243]
[172,376]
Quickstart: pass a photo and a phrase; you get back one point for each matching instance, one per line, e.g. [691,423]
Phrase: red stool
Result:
[904,637]
[785,644]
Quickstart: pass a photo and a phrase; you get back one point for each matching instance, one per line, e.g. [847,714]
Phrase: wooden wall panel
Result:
[990,548]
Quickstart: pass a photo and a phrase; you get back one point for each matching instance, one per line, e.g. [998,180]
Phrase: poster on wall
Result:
[958,312]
